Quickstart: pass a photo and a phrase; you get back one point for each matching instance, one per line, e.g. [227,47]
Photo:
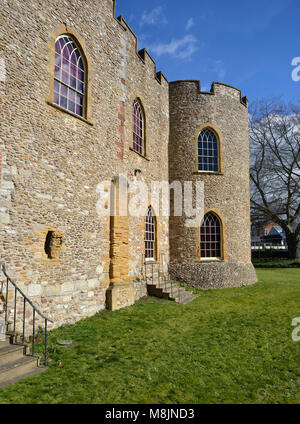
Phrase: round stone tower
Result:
[218,255]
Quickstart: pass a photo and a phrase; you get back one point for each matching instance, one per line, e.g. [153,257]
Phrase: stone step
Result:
[6,341]
[162,283]
[173,289]
[170,291]
[179,297]
[165,290]
[10,353]
[186,299]
[154,291]
[35,371]
[18,368]
[165,286]
[176,293]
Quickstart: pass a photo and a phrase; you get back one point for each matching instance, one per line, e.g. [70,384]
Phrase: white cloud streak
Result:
[181,49]
[190,23]
[154,17]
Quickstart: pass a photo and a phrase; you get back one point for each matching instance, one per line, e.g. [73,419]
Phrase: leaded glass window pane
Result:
[138,128]
[150,234]
[208,151]
[69,76]
[210,236]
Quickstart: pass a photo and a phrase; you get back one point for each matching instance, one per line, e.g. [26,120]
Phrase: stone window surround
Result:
[157,230]
[138,127]
[64,30]
[223,257]
[145,150]
[70,75]
[150,213]
[215,129]
[211,227]
[208,151]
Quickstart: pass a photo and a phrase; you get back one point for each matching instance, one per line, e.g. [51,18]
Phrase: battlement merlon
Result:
[143,53]
[217,88]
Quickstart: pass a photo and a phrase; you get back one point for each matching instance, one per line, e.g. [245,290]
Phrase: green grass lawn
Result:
[227,346]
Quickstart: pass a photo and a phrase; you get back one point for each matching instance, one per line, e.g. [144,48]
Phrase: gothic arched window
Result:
[211,237]
[150,234]
[138,128]
[69,76]
[208,151]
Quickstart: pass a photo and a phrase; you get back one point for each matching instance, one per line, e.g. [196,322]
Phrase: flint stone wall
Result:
[226,193]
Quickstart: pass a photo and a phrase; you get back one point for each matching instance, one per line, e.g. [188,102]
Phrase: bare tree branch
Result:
[275,166]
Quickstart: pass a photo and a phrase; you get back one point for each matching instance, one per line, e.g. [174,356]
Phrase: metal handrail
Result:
[162,277]
[34,311]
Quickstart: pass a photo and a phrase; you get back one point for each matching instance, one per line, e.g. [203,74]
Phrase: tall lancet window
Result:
[208,151]
[211,237]
[138,130]
[69,76]
[150,234]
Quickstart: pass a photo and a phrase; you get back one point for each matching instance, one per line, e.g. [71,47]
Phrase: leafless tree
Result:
[275,167]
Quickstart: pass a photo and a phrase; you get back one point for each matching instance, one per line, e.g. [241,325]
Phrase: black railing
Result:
[35,310]
[162,277]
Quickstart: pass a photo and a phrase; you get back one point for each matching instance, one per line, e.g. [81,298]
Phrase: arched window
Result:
[210,237]
[150,234]
[208,151]
[69,76]
[138,140]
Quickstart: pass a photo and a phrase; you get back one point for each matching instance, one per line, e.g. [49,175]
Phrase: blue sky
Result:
[247,44]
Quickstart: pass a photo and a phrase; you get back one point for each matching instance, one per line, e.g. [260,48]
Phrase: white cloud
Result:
[182,49]
[155,16]
[190,23]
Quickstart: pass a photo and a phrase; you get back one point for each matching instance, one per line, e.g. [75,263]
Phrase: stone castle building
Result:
[80,105]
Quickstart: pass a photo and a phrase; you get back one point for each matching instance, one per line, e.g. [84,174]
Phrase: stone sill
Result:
[208,261]
[151,262]
[61,109]
[142,156]
[207,173]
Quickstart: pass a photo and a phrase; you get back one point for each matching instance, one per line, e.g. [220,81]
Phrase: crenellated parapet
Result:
[217,89]
[142,54]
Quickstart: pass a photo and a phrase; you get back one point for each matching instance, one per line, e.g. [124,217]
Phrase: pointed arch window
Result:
[138,128]
[69,76]
[211,237]
[208,151]
[150,234]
